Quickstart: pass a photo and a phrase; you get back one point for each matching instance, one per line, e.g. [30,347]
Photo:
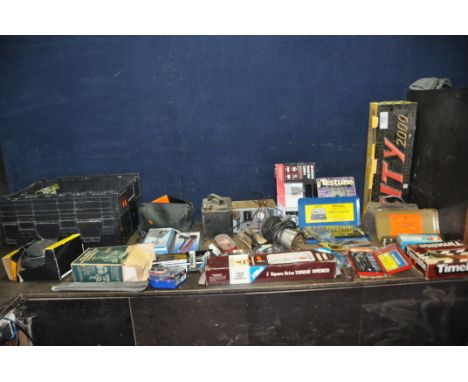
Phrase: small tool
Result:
[188,241]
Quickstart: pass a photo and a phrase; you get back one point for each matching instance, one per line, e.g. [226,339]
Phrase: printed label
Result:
[255,271]
[239,269]
[329,213]
[405,223]
[287,258]
[392,260]
[383,120]
[281,199]
[293,192]
[444,268]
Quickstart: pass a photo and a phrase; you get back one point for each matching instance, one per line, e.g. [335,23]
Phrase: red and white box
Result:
[440,260]
[292,182]
[288,266]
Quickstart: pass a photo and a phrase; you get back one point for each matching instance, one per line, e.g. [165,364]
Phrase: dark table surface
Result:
[11,291]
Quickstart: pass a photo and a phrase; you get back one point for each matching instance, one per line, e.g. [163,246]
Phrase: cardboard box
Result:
[329,212]
[390,141]
[167,278]
[365,263]
[288,266]
[335,187]
[293,182]
[185,242]
[161,239]
[57,260]
[414,239]
[440,260]
[392,259]
[11,263]
[170,241]
[122,263]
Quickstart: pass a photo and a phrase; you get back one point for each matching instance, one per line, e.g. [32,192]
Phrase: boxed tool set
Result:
[365,264]
[170,241]
[161,239]
[440,260]
[289,266]
[293,182]
[370,262]
[392,259]
[326,212]
[110,264]
[337,217]
[404,240]
[338,186]
[167,278]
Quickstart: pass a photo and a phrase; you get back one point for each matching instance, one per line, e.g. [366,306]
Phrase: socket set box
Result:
[167,278]
[329,212]
[440,260]
[404,240]
[289,266]
[365,264]
[370,262]
[333,187]
[392,259]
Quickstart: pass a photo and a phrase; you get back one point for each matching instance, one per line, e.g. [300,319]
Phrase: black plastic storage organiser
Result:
[102,208]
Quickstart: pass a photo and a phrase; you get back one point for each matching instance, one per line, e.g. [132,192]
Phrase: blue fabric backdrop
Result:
[196,115]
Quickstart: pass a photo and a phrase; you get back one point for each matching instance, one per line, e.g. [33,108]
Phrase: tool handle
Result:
[385,200]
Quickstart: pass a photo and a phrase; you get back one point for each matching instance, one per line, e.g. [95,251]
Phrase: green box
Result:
[110,264]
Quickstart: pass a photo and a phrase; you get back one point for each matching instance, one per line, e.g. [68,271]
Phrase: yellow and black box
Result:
[56,264]
[392,126]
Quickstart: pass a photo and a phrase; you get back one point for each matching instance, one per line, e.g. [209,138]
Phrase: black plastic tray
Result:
[102,208]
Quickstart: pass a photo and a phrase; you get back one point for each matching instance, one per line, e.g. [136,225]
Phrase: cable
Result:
[284,233]
[273,228]
[262,206]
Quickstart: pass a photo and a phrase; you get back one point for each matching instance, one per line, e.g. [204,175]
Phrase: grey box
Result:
[216,215]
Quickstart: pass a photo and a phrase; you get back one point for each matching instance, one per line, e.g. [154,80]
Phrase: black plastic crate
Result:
[102,208]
